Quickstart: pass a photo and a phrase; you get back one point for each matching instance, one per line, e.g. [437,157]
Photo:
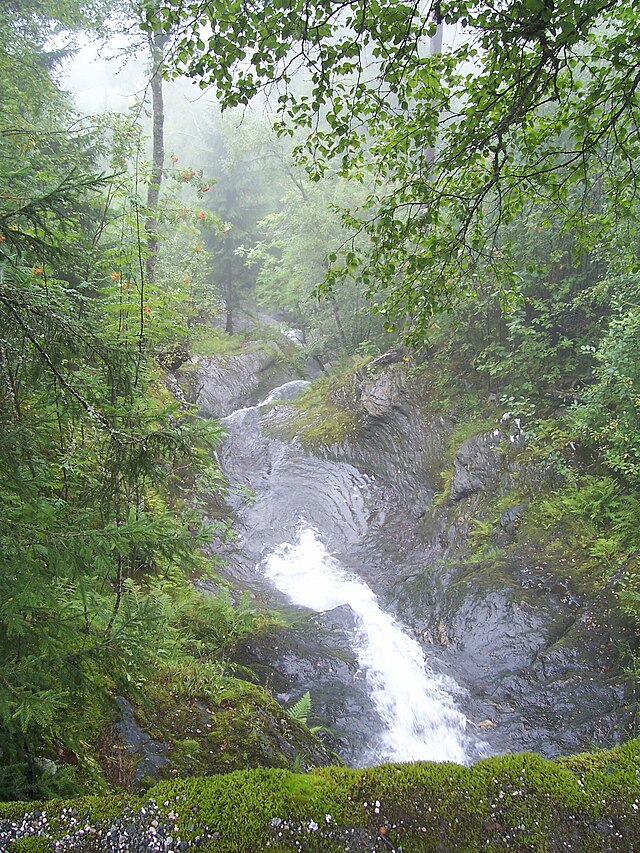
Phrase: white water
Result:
[420,720]
[288,391]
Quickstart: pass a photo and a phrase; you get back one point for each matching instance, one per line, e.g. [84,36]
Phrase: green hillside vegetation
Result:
[476,208]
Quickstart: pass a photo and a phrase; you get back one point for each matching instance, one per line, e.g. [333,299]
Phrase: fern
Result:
[301,709]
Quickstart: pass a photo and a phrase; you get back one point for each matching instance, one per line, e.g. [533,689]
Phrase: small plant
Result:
[481,531]
[520,406]
[301,709]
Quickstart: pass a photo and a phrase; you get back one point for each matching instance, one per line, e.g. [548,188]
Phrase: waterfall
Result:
[419,720]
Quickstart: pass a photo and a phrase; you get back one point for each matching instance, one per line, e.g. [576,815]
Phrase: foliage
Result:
[604,517]
[209,340]
[240,150]
[533,342]
[292,259]
[608,418]
[211,625]
[535,100]
[95,536]
[301,709]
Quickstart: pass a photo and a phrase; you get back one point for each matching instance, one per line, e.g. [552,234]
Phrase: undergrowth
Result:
[211,340]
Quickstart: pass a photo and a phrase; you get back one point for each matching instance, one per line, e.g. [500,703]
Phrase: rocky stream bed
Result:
[529,663]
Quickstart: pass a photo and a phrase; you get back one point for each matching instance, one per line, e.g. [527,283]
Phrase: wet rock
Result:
[496,634]
[514,639]
[220,384]
[439,634]
[46,766]
[533,658]
[477,465]
[286,392]
[341,618]
[384,394]
[151,754]
[510,518]
[296,335]
[317,658]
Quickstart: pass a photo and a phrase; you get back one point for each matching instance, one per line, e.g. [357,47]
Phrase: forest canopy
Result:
[535,103]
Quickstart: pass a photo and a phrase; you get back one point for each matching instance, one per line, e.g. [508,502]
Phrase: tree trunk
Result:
[338,321]
[157,43]
[228,299]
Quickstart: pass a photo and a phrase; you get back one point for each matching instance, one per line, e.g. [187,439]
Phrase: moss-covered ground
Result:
[327,413]
[586,803]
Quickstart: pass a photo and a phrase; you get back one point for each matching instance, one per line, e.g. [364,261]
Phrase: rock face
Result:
[220,384]
[150,755]
[535,657]
[535,660]
[315,656]
[385,393]
[239,726]
[477,465]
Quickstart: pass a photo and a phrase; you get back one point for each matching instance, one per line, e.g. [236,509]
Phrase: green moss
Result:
[32,845]
[444,486]
[101,808]
[488,576]
[210,340]
[326,413]
[237,726]
[620,759]
[514,802]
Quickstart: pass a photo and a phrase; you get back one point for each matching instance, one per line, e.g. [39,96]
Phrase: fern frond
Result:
[301,709]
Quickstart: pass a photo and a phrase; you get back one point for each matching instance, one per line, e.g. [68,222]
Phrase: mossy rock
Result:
[239,727]
[36,844]
[513,802]
[325,414]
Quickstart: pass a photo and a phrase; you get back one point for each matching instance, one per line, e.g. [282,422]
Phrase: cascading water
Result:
[418,716]
[300,502]
[348,535]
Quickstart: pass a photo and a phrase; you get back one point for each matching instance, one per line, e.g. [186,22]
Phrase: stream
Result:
[418,718]
[409,646]
[310,530]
